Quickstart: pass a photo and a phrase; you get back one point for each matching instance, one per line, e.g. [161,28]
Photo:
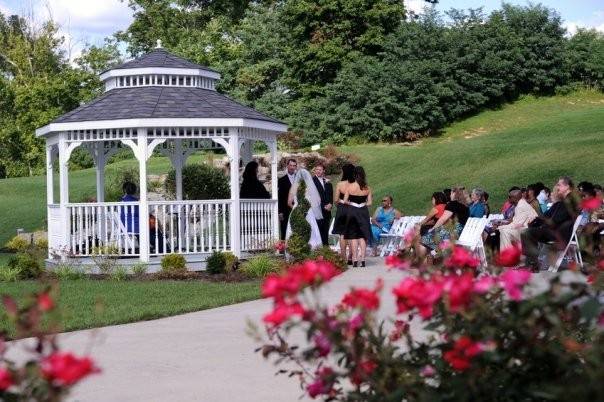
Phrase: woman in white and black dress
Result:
[358,228]
[338,199]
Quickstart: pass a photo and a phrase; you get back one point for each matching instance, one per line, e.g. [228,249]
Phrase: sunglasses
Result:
[385,200]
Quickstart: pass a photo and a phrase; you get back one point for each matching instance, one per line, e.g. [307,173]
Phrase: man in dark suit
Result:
[326,192]
[284,184]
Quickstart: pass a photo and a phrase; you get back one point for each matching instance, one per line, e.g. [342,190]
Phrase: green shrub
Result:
[8,274]
[139,269]
[231,262]
[174,263]
[80,159]
[105,258]
[327,254]
[216,263]
[297,244]
[41,244]
[260,266]
[68,272]
[200,182]
[114,185]
[119,274]
[18,244]
[29,266]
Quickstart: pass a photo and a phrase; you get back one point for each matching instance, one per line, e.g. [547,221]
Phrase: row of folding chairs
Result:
[395,236]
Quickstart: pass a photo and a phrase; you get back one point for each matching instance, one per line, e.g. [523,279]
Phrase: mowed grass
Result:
[91,304]
[534,139]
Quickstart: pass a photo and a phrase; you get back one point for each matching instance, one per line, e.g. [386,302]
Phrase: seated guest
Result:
[477,208]
[382,219]
[447,193]
[251,187]
[129,214]
[439,202]
[523,215]
[543,199]
[455,212]
[485,201]
[555,225]
[532,191]
[508,208]
[592,196]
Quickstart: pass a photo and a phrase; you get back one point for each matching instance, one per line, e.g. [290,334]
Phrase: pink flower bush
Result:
[416,293]
[461,258]
[364,299]
[464,350]
[323,384]
[513,281]
[510,256]
[6,379]
[65,369]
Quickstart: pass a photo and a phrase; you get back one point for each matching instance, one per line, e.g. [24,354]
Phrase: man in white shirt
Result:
[523,215]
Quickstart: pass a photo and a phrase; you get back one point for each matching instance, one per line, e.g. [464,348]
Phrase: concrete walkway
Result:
[202,356]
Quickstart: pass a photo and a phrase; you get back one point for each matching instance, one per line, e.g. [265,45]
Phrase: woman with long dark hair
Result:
[251,187]
[340,220]
[358,229]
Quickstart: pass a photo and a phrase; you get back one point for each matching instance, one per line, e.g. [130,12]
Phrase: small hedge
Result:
[28,265]
[216,263]
[173,263]
[260,266]
[327,254]
[297,244]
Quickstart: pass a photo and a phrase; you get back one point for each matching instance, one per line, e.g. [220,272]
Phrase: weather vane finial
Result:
[158,46]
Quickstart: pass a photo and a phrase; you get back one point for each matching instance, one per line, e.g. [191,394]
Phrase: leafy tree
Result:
[585,58]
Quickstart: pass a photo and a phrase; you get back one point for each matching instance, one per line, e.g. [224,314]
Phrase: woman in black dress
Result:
[251,187]
[358,227]
[339,223]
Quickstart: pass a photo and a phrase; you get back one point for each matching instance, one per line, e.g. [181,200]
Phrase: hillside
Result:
[533,139]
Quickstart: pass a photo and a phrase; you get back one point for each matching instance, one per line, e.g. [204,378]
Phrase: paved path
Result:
[203,356]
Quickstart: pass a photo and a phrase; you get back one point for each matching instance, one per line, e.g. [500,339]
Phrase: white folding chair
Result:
[574,244]
[406,226]
[388,238]
[471,238]
[330,235]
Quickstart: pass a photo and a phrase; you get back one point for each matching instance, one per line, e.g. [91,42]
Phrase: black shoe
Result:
[363,264]
[349,262]
[355,264]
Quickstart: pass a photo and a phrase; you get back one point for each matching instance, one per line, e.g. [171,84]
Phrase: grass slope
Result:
[90,304]
[534,139]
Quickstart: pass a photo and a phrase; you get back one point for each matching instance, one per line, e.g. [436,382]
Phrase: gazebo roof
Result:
[160,57]
[161,102]
[161,89]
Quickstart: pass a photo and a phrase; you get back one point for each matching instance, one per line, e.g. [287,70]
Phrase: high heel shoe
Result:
[349,262]
[355,264]
[362,264]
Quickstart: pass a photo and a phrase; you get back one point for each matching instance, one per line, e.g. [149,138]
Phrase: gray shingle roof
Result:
[161,102]
[160,58]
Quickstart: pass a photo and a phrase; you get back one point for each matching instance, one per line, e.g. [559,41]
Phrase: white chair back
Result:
[471,236]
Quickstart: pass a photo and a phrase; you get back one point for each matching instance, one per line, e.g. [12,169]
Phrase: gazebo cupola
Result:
[164,102]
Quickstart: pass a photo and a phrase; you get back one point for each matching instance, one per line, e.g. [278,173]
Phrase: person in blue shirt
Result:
[477,207]
[129,214]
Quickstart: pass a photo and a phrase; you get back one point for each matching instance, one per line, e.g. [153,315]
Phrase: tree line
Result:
[334,70]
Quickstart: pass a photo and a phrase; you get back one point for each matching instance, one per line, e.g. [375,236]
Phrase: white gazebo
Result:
[159,101]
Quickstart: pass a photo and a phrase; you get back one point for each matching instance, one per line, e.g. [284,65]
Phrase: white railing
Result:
[108,227]
[257,224]
[184,227]
[189,227]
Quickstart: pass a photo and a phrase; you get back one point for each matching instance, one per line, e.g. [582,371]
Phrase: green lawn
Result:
[528,141]
[90,303]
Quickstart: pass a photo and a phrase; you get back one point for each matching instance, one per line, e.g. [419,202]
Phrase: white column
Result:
[178,165]
[49,176]
[64,188]
[143,214]
[100,171]
[233,151]
[274,191]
